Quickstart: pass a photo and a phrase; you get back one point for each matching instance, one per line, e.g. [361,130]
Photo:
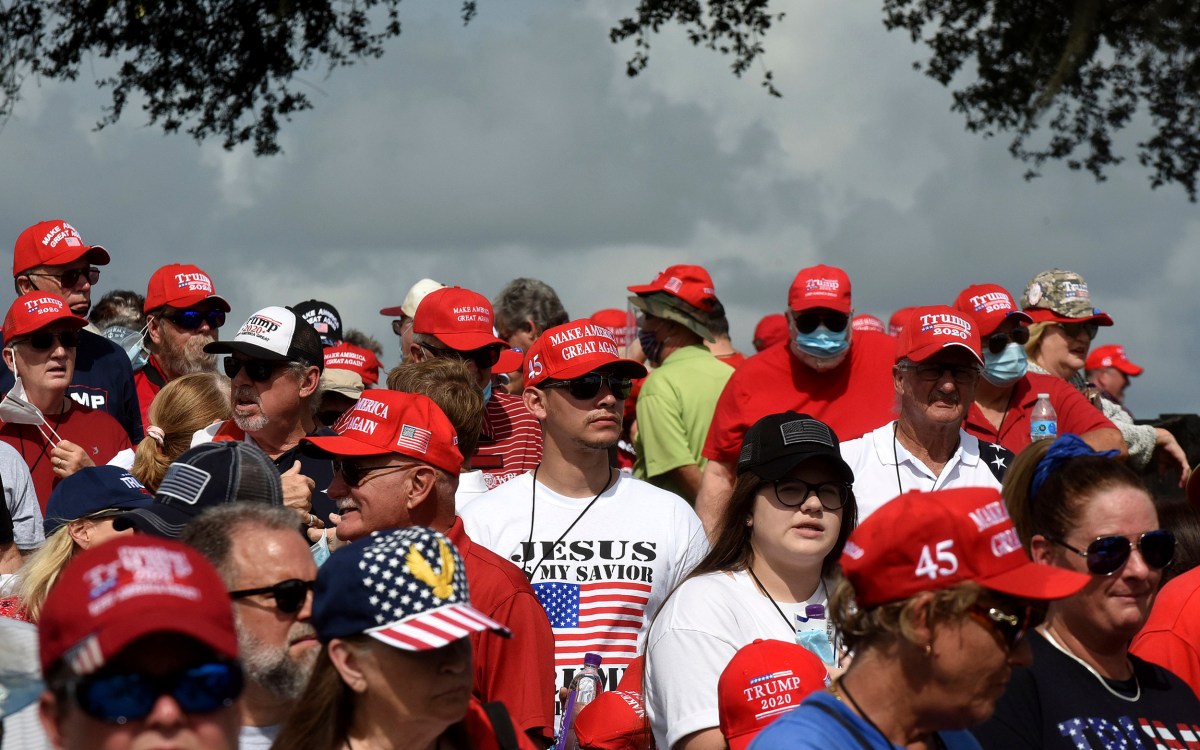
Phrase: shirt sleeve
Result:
[1169,651]
[519,671]
[683,667]
[661,431]
[22,501]
[725,433]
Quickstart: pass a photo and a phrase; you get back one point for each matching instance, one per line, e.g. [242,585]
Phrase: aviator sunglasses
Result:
[69,278]
[588,386]
[1108,554]
[43,341]
[1010,627]
[289,595]
[118,698]
[258,370]
[997,341]
[191,320]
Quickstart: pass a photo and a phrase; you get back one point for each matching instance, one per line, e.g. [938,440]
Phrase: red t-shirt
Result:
[511,443]
[854,398]
[734,360]
[517,671]
[148,380]
[1171,636]
[1075,413]
[95,431]
[481,733]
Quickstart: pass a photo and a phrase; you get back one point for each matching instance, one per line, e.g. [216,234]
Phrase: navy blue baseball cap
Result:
[405,587]
[203,477]
[93,490]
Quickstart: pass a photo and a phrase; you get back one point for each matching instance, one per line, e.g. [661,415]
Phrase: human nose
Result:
[338,487]
[458,657]
[166,713]
[1135,566]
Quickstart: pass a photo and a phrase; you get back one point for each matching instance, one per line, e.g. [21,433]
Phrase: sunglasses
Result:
[793,493]
[289,595]
[807,322]
[1072,330]
[1010,627]
[932,371]
[1108,554]
[354,474]
[69,278]
[258,370]
[123,697]
[588,386]
[42,342]
[483,358]
[998,341]
[191,320]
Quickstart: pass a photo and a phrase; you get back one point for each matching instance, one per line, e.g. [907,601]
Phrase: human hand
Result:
[67,458]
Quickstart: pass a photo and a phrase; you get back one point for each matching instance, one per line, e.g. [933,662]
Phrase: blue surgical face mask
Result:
[487,391]
[823,343]
[320,550]
[1007,367]
[651,346]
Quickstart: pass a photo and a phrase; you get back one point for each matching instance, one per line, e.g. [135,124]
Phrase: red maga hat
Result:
[616,719]
[928,541]
[33,311]
[1112,355]
[181,286]
[771,330]
[53,243]
[898,319]
[764,680]
[820,286]
[867,322]
[457,317]
[620,322]
[111,595]
[385,421]
[574,349]
[989,305]
[347,356]
[692,284]
[929,330]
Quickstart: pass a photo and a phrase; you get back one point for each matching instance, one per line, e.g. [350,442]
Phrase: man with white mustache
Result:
[938,362]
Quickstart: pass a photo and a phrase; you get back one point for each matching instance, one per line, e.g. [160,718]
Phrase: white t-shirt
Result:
[470,486]
[699,629]
[875,467]
[602,584]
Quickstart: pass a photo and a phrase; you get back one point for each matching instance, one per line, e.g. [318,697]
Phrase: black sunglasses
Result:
[289,595]
[483,358]
[191,320]
[118,698]
[69,278]
[807,322]
[1011,627]
[588,386]
[258,370]
[1072,330]
[1108,554]
[42,341]
[793,493]
[997,341]
[355,474]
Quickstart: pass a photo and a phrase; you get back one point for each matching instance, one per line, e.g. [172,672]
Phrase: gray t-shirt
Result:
[21,500]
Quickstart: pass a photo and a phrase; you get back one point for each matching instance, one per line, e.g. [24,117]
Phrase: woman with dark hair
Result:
[1087,512]
[766,576]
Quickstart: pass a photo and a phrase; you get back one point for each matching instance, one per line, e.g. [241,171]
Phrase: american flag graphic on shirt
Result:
[414,438]
[603,617]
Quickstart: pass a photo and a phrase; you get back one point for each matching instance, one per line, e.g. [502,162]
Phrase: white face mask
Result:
[16,409]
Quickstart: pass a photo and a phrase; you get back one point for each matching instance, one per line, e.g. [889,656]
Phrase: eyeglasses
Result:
[289,595]
[69,278]
[483,358]
[129,696]
[998,341]
[1108,554]
[354,475]
[588,386]
[1010,627]
[398,326]
[42,341]
[191,320]
[258,370]
[932,371]
[793,493]
[807,322]
[1072,330]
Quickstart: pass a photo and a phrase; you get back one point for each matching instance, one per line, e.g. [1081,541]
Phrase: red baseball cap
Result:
[820,286]
[1112,355]
[867,322]
[931,329]
[898,319]
[617,321]
[53,243]
[989,305]
[385,421]
[510,360]
[346,356]
[928,541]
[113,594]
[181,286]
[616,719]
[33,311]
[774,674]
[574,349]
[692,284]
[771,330]
[459,318]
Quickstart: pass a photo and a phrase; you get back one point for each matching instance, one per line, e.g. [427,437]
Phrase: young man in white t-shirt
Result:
[601,549]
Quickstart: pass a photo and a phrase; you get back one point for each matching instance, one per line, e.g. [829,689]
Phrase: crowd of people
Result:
[930,533]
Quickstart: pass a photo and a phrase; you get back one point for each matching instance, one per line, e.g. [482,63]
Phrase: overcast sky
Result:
[517,147]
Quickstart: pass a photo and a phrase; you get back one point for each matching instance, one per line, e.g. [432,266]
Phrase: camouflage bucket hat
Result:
[668,307]
[1061,295]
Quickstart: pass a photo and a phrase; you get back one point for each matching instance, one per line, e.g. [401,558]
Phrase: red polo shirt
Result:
[148,380]
[1075,413]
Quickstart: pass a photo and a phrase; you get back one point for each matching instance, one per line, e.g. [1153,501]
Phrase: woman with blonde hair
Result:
[184,405]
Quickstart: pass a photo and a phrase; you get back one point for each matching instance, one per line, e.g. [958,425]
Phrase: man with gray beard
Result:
[183,315]
[269,572]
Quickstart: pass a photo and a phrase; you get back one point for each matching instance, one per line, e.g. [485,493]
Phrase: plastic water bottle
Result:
[1043,421]
[584,689]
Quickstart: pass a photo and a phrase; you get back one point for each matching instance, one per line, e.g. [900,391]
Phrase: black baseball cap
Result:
[323,317]
[778,443]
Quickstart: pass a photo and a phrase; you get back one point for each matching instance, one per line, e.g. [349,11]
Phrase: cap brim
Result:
[243,347]
[925,352]
[627,368]
[330,446]
[670,307]
[1042,315]
[644,288]
[95,254]
[1128,368]
[115,638]
[1032,581]
[823,304]
[158,519]
[778,468]
[393,312]
[437,628]
[468,340]
[510,360]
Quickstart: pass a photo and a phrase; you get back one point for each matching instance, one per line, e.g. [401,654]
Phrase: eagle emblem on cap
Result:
[423,571]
